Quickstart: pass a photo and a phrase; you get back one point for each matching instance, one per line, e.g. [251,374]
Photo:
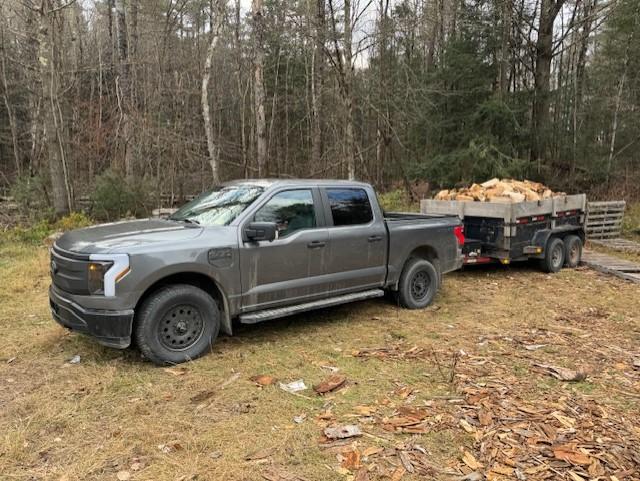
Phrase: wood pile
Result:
[500,190]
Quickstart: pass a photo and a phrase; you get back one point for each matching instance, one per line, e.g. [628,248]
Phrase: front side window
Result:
[349,206]
[219,206]
[291,210]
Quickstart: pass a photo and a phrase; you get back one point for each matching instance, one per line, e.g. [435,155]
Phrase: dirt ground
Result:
[462,390]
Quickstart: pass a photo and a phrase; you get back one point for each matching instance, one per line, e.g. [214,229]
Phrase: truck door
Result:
[357,240]
[289,269]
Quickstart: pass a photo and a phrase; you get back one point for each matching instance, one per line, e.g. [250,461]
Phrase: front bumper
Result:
[110,328]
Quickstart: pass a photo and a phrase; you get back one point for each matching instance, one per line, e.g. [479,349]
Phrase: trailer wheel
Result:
[554,255]
[418,284]
[572,250]
[177,323]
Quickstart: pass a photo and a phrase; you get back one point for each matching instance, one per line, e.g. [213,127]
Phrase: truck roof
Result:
[283,182]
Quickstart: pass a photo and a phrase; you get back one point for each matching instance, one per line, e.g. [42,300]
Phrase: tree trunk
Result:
[503,79]
[133,48]
[123,87]
[214,161]
[317,85]
[13,127]
[258,85]
[60,191]
[350,153]
[549,10]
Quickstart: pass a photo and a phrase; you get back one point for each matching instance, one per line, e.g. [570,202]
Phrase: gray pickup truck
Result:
[248,250]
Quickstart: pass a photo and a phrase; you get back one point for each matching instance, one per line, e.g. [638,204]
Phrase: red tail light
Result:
[459,233]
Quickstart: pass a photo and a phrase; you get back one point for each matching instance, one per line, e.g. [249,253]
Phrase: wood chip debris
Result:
[342,432]
[330,384]
[563,373]
[500,190]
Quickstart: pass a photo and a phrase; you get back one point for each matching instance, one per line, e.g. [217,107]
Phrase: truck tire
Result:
[553,255]
[418,284]
[177,323]
[572,251]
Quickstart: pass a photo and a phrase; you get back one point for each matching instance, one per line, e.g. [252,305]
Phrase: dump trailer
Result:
[549,230]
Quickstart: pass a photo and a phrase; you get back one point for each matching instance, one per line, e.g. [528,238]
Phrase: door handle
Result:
[315,244]
[375,238]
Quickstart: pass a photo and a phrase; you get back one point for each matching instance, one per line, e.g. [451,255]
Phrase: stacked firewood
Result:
[500,190]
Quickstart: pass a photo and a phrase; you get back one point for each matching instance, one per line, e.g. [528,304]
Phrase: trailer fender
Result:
[542,236]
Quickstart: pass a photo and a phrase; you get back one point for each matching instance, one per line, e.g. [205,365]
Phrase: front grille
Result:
[69,271]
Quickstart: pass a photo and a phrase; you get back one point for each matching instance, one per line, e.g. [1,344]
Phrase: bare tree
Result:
[317,82]
[54,142]
[258,86]
[123,88]
[549,10]
[214,161]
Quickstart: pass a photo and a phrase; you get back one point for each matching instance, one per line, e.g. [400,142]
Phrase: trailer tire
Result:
[553,255]
[572,251]
[418,284]
[177,323]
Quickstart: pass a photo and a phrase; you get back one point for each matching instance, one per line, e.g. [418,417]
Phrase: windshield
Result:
[219,206]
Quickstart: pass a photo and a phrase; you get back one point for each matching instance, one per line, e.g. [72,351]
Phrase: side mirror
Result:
[260,231]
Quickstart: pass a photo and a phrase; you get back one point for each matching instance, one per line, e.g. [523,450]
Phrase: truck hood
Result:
[120,236]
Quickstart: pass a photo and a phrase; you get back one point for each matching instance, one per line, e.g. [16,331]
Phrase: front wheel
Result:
[553,256]
[418,284]
[176,324]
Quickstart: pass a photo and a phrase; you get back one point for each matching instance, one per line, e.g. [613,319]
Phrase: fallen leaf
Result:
[351,460]
[123,475]
[330,384]
[263,379]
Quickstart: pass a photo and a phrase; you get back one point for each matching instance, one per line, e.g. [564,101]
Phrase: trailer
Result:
[549,230]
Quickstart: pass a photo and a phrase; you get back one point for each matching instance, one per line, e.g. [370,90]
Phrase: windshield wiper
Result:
[186,220]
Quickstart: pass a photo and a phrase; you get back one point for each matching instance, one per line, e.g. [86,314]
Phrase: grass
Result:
[114,412]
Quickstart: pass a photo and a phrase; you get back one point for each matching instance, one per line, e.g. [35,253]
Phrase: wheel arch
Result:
[196,279]
[426,252]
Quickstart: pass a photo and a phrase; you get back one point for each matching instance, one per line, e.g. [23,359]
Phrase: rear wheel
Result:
[553,256]
[572,250]
[418,284]
[176,324]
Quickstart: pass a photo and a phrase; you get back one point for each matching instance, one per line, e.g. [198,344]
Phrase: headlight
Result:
[105,270]
[97,270]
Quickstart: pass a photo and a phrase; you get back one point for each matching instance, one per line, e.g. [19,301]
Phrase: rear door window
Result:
[349,206]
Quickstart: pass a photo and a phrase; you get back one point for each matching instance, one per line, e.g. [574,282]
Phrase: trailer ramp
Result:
[615,266]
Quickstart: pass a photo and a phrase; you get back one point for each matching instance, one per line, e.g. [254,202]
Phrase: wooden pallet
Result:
[615,266]
[604,219]
[618,244]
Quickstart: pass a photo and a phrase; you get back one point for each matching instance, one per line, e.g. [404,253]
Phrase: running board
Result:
[267,314]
